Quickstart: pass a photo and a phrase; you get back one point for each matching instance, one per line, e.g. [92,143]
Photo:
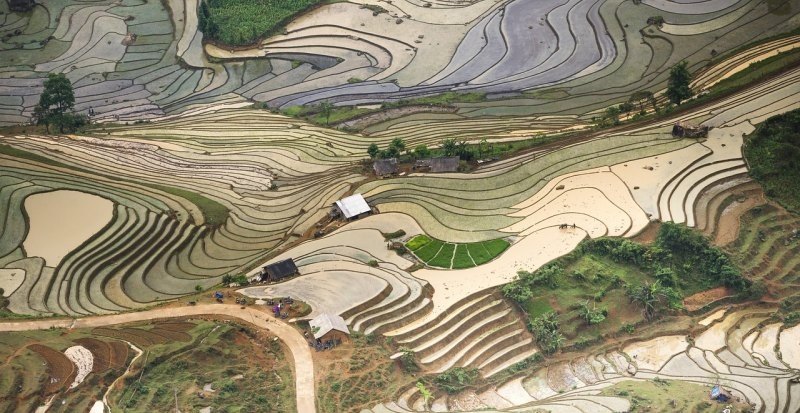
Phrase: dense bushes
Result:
[240,22]
[773,153]
[545,329]
[456,379]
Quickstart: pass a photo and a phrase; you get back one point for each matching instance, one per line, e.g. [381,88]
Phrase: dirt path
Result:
[301,354]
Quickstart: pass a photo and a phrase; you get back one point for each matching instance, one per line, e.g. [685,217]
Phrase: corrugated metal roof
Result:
[353,206]
[325,322]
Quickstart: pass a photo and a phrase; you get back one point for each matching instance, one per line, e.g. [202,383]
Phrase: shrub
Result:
[456,379]
[545,329]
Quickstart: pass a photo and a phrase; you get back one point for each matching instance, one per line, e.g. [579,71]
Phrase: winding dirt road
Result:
[301,354]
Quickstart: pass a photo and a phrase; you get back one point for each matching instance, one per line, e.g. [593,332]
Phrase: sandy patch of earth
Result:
[60,221]
[653,354]
[699,300]
[728,224]
[11,279]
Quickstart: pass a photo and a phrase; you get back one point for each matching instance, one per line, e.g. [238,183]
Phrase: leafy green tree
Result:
[456,379]
[398,145]
[425,393]
[678,88]
[449,147]
[592,315]
[56,104]
[612,115]
[325,108]
[373,150]
[422,151]
[654,298]
[545,329]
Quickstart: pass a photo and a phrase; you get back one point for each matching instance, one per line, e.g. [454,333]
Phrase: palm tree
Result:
[651,296]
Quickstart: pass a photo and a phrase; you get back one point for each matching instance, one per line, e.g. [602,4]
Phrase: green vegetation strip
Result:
[608,286]
[442,254]
[242,22]
[773,154]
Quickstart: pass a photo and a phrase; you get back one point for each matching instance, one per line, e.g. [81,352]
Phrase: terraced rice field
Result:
[440,254]
[207,188]
[742,351]
[346,54]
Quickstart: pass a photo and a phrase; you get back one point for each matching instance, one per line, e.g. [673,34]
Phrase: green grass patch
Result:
[773,153]
[463,255]
[680,396]
[445,256]
[479,253]
[427,252]
[600,274]
[338,114]
[759,70]
[243,22]
[461,258]
[496,247]
[417,242]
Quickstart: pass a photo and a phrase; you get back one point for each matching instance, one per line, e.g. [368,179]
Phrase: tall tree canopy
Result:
[56,104]
[678,88]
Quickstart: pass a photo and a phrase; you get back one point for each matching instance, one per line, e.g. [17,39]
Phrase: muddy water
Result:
[61,220]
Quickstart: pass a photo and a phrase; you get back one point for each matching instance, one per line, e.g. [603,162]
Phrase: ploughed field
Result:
[135,60]
[76,370]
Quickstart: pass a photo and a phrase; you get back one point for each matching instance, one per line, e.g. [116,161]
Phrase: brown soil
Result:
[62,371]
[703,298]
[648,234]
[119,354]
[727,229]
[176,326]
[172,335]
[101,353]
[125,335]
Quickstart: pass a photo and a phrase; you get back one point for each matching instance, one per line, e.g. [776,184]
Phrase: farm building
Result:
[352,207]
[279,270]
[686,130]
[329,327]
[385,167]
[441,164]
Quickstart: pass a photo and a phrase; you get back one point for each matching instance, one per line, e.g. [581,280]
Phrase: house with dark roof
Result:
[352,207]
[279,270]
[438,165]
[385,167]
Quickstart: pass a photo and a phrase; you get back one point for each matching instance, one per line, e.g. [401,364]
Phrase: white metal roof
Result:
[353,205]
[325,322]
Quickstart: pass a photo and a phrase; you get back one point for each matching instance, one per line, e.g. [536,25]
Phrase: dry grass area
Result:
[357,375]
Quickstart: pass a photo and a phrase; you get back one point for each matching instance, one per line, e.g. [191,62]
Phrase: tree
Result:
[592,315]
[449,147]
[373,150]
[56,103]
[425,393]
[545,329]
[654,298]
[612,115]
[422,151]
[678,85]
[325,108]
[398,145]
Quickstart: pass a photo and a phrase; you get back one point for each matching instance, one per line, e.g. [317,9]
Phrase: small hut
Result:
[385,167]
[439,165]
[352,207]
[329,327]
[279,270]
[686,130]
